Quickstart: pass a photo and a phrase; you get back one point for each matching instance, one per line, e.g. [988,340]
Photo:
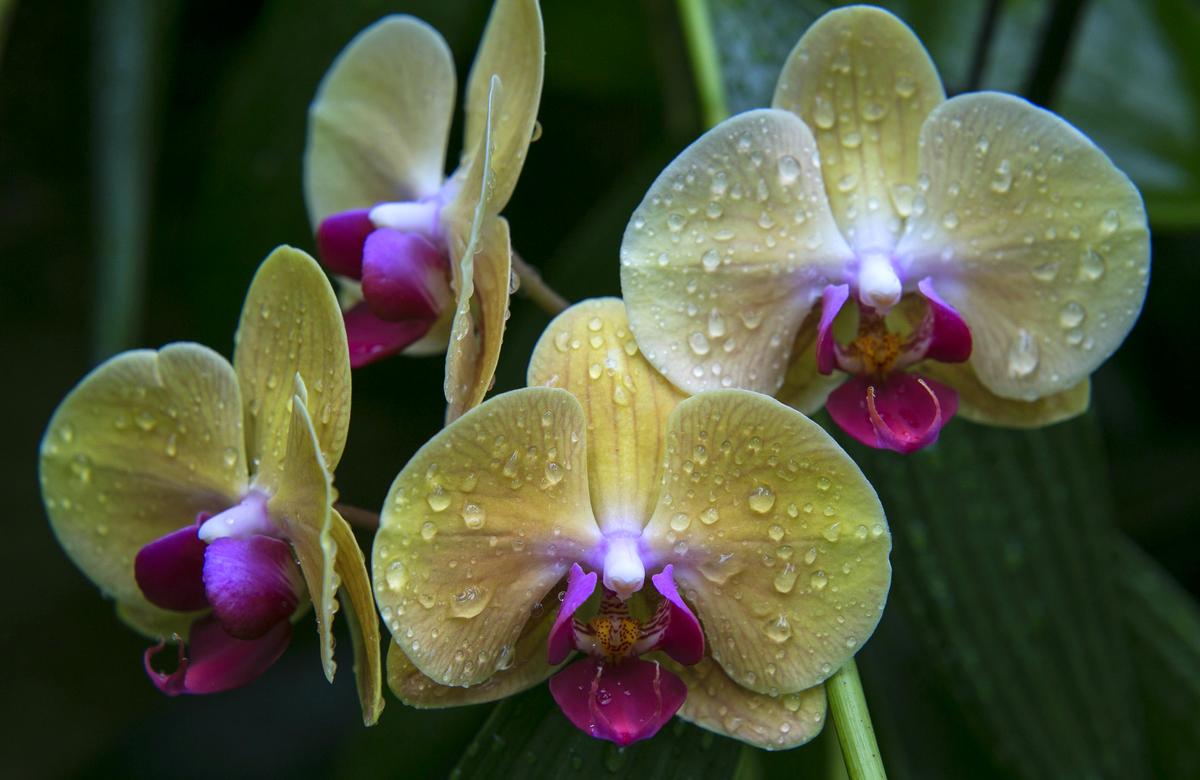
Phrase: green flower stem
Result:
[706,63]
[853,721]
[535,288]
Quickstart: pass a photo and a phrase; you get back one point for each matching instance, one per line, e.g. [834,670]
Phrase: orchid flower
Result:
[198,495]
[994,255]
[767,549]
[411,247]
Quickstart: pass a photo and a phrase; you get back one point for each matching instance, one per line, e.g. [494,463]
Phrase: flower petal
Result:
[478,527]
[251,583]
[910,411]
[727,253]
[864,83]
[351,567]
[623,702]
[290,324]
[681,637]
[580,587]
[776,537]
[370,339]
[404,277]
[1049,253]
[340,239]
[513,48]
[589,351]
[941,334]
[978,404]
[717,703]
[805,388]
[833,297]
[378,125]
[116,461]
[218,662]
[170,571]
[524,667]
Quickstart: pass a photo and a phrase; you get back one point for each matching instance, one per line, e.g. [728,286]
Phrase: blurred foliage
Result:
[1069,661]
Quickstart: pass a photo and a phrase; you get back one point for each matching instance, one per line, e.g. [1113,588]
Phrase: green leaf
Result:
[527,737]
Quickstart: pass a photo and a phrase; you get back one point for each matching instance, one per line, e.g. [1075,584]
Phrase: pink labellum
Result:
[942,335]
[621,702]
[832,300]
[403,277]
[340,239]
[580,587]
[252,584]
[673,629]
[371,339]
[217,661]
[903,413]
[169,570]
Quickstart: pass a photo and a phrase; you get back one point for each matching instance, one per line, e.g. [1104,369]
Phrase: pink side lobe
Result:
[832,300]
[340,239]
[580,586]
[169,570]
[371,339]
[681,636]
[942,334]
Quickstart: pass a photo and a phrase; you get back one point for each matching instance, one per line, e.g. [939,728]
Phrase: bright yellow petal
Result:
[1036,239]
[864,83]
[527,667]
[589,350]
[474,348]
[777,539]
[478,527]
[806,389]
[301,508]
[717,703]
[727,253]
[351,568]
[978,404]
[291,324]
[512,48]
[378,125]
[145,442]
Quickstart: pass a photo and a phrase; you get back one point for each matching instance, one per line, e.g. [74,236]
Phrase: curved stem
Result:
[853,721]
[706,63]
[535,288]
[358,517]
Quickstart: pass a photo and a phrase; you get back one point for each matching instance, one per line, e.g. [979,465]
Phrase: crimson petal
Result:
[340,239]
[219,662]
[371,339]
[580,587]
[908,411]
[832,300]
[680,637]
[169,570]
[942,334]
[621,702]
[403,276]
[252,584]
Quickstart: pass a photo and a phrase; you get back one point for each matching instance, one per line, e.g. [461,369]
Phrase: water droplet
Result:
[473,515]
[144,420]
[396,575]
[675,222]
[172,448]
[1072,314]
[789,170]
[1091,265]
[1045,272]
[272,382]
[470,602]
[811,556]
[1022,355]
[699,343]
[823,113]
[504,659]
[744,141]
[710,515]
[874,112]
[852,140]
[1110,222]
[776,533]
[1003,178]
[847,182]
[713,210]
[824,483]
[681,521]
[778,630]
[428,531]
[905,88]
[832,532]
[438,497]
[841,61]
[711,260]
[950,220]
[981,145]
[762,498]
[902,199]
[819,580]
[554,471]
[81,467]
[785,578]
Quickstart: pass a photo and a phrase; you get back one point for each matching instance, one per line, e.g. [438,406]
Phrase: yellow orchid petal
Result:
[864,83]
[717,703]
[513,49]
[154,623]
[478,527]
[589,351]
[978,404]
[727,253]
[778,540]
[378,125]
[145,442]
[806,389]
[337,541]
[1034,236]
[291,324]
[527,667]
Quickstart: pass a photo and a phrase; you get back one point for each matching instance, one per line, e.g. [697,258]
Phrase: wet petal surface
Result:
[580,587]
[622,703]
[404,277]
[340,239]
[216,661]
[370,338]
[169,571]
[251,583]
[899,414]
[978,404]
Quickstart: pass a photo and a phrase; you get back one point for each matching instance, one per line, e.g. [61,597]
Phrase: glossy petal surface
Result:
[251,583]
[133,432]
[764,505]
[909,417]
[683,640]
[170,571]
[291,324]
[218,662]
[978,404]
[378,125]
[589,351]
[728,252]
[622,702]
[717,703]
[340,239]
[370,339]
[1047,245]
[403,277]
[862,81]
[478,527]
[580,587]
[513,48]
[350,567]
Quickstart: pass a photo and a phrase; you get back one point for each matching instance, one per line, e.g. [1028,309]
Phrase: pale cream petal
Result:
[778,540]
[1034,236]
[479,526]
[291,324]
[978,404]
[145,442]
[378,125]
[728,252]
[513,49]
[717,703]
[589,350]
[864,83]
[527,666]
[351,568]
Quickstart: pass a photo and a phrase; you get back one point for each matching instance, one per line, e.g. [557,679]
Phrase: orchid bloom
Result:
[411,247]
[749,519]
[994,256]
[198,495]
